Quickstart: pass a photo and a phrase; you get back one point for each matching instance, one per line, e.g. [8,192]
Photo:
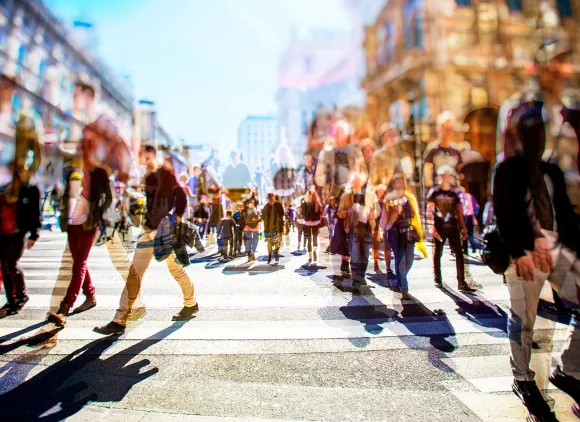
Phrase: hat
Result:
[444,117]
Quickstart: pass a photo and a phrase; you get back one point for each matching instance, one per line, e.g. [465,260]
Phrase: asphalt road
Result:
[269,343]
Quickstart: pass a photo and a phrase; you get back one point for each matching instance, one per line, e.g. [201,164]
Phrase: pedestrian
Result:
[291,216]
[164,196]
[82,215]
[445,209]
[251,219]
[470,213]
[311,210]
[273,217]
[380,192]
[398,220]
[331,216]
[299,223]
[225,231]
[17,219]
[237,217]
[201,215]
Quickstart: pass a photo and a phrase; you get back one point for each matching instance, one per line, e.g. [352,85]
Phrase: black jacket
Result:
[273,218]
[28,211]
[163,194]
[511,183]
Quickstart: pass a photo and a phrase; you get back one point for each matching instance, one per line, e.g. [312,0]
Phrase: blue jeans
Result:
[404,256]
[359,253]
[251,239]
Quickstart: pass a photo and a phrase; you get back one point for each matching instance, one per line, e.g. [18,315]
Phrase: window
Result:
[564,8]
[463,2]
[515,5]
[21,59]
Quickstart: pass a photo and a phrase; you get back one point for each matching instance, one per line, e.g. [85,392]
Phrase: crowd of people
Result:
[353,198]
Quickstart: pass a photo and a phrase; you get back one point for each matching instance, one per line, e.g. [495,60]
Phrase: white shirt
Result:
[79,210]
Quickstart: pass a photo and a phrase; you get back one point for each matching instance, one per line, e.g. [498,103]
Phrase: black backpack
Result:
[494,253]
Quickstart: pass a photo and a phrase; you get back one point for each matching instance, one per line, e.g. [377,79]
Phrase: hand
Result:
[380,236]
[30,243]
[463,234]
[541,256]
[435,235]
[525,267]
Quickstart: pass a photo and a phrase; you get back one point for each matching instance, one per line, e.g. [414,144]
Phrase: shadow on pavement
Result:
[61,390]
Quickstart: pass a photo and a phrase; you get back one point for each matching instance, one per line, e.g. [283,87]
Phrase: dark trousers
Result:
[359,253]
[11,249]
[238,241]
[228,246]
[80,242]
[450,232]
[310,237]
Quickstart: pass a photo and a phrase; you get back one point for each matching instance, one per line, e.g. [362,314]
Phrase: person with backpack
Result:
[251,218]
[164,197]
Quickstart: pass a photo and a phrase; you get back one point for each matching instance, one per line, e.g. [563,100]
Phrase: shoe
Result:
[8,309]
[438,283]
[531,397]
[566,383]
[186,313]
[396,289]
[405,295]
[463,287]
[298,248]
[89,303]
[59,318]
[269,259]
[391,275]
[474,285]
[112,328]
[22,301]
[314,257]
[347,268]
[376,266]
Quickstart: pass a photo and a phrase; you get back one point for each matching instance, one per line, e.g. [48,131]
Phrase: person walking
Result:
[164,195]
[445,209]
[380,192]
[17,220]
[225,231]
[310,210]
[405,230]
[251,219]
[330,214]
[273,217]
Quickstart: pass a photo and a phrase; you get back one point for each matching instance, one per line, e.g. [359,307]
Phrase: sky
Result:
[206,64]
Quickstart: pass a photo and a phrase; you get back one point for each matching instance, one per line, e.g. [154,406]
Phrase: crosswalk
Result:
[284,314]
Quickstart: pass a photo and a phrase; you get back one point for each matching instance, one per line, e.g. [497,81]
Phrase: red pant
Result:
[80,242]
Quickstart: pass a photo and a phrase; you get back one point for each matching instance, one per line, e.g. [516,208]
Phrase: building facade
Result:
[426,56]
[257,138]
[44,75]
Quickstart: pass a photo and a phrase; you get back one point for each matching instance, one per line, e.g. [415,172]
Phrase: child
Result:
[237,216]
[331,218]
[225,231]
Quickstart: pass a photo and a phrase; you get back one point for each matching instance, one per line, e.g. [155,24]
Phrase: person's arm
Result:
[321,168]
[428,168]
[35,216]
[179,199]
[460,219]
[416,220]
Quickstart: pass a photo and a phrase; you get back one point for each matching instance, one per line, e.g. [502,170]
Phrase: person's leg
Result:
[180,275]
[269,247]
[455,245]
[9,288]
[248,241]
[141,260]
[15,248]
[357,252]
[315,244]
[81,242]
[300,231]
[438,245]
[255,240]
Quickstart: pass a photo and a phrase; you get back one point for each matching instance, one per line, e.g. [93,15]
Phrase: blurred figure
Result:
[273,218]
[331,216]
[238,227]
[380,196]
[305,177]
[251,219]
[164,195]
[444,208]
[299,222]
[368,148]
[405,230]
[226,234]
[283,171]
[390,158]
[201,215]
[193,182]
[310,209]
[237,175]
[443,154]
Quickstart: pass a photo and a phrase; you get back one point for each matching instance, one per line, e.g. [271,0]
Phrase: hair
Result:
[444,117]
[396,176]
[228,213]
[149,149]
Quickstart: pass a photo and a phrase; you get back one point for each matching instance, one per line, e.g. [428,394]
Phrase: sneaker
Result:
[89,303]
[566,383]
[438,283]
[396,289]
[8,309]
[112,328]
[23,301]
[186,313]
[463,287]
[531,397]
[474,285]
[269,259]
[405,295]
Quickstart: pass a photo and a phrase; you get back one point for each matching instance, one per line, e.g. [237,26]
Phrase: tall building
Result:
[257,138]
[427,56]
[44,74]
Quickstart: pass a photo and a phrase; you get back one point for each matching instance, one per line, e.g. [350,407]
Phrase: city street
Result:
[269,343]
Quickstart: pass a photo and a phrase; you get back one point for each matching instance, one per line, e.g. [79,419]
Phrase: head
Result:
[147,156]
[447,174]
[271,198]
[235,156]
[389,134]
[368,148]
[332,201]
[196,170]
[183,178]
[552,73]
[342,133]
[357,180]
[228,214]
[380,191]
[398,183]
[446,123]
[308,160]
[525,132]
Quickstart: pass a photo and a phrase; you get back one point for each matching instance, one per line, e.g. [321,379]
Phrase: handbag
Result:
[494,253]
[413,235]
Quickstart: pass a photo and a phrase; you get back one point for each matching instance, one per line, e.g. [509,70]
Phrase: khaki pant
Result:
[524,299]
[141,260]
